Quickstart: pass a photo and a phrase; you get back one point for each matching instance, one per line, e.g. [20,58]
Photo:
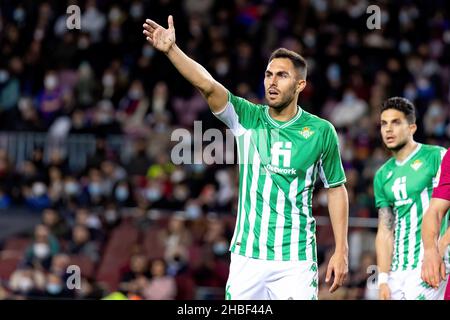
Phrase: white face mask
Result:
[39,189]
[50,82]
[222,68]
[25,284]
[108,80]
[41,250]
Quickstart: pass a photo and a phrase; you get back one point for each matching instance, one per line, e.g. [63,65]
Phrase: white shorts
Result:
[408,285]
[255,279]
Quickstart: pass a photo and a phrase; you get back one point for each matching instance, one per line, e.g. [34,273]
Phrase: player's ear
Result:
[413,128]
[301,84]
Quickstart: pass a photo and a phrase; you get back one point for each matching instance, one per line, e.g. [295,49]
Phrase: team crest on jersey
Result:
[306,132]
[416,164]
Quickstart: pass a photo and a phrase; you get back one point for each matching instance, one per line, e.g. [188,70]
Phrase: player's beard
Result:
[283,104]
[399,146]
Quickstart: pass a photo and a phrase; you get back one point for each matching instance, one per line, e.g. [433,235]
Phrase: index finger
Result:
[152,23]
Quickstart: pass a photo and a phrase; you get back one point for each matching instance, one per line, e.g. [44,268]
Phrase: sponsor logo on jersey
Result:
[416,165]
[306,132]
[290,171]
[279,150]
[281,158]
[400,203]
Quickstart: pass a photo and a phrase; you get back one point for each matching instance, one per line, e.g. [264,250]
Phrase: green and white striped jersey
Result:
[406,187]
[278,165]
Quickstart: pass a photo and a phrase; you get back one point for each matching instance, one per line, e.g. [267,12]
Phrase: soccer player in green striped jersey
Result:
[281,149]
[403,188]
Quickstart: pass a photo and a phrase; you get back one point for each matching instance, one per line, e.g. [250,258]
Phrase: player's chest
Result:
[408,181]
[293,148]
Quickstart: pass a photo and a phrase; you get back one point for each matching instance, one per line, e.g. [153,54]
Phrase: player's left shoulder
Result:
[433,151]
[321,124]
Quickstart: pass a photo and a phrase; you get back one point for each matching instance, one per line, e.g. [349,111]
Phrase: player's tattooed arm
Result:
[384,247]
[386,217]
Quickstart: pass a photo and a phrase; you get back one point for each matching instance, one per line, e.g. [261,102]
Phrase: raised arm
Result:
[384,245]
[164,40]
[338,209]
[433,268]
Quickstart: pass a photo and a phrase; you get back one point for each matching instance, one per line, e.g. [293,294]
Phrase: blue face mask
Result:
[122,193]
[94,189]
[193,212]
[220,248]
[54,288]
[153,194]
[71,188]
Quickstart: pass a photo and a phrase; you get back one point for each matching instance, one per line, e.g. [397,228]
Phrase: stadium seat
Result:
[87,266]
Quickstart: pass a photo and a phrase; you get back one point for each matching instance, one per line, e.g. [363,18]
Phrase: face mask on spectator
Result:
[122,193]
[222,68]
[136,10]
[108,80]
[135,94]
[199,168]
[115,14]
[19,15]
[95,189]
[71,188]
[148,51]
[25,284]
[39,189]
[410,93]
[4,76]
[104,118]
[177,176]
[153,194]
[309,39]
[41,250]
[111,216]
[54,288]
[349,98]
[220,248]
[50,82]
[193,211]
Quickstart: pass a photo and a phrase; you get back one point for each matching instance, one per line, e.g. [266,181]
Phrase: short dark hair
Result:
[298,61]
[402,105]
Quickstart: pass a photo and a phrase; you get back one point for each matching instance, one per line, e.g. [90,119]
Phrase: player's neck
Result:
[284,114]
[403,153]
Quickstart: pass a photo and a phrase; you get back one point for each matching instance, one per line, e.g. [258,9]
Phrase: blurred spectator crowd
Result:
[165,229]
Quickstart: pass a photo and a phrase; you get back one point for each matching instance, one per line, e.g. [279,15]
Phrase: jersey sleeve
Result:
[381,201]
[238,114]
[442,190]
[331,170]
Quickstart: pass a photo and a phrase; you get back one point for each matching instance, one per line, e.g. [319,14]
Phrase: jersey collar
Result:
[286,124]
[412,154]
